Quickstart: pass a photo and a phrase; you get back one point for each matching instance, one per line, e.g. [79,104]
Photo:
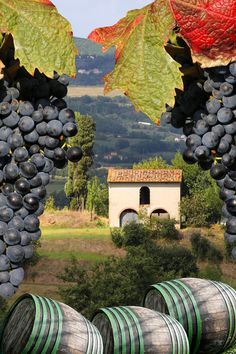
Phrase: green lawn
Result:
[85,244]
[58,233]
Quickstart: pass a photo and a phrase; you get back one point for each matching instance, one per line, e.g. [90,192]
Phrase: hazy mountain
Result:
[91,63]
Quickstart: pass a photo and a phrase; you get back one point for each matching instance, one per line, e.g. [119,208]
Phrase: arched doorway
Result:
[160,214]
[127,216]
[144,196]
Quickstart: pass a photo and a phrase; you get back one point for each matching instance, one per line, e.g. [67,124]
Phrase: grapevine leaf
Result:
[144,70]
[42,37]
[209,27]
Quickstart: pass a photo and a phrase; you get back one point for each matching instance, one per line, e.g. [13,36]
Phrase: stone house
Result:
[130,191]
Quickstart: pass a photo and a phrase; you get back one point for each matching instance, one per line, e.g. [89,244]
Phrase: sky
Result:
[86,15]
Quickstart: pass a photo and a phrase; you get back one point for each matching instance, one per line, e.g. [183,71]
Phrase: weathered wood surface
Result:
[137,330]
[206,309]
[38,325]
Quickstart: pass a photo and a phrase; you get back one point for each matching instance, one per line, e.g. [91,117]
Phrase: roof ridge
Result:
[144,175]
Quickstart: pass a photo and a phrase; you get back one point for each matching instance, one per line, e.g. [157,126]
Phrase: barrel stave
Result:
[42,326]
[141,331]
[209,306]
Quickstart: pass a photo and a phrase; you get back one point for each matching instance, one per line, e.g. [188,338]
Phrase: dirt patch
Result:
[70,218]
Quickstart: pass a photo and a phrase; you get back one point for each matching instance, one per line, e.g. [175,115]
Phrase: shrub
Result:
[164,228]
[86,290]
[212,272]
[199,245]
[132,234]
[117,237]
[135,234]
[180,259]
[203,249]
[50,204]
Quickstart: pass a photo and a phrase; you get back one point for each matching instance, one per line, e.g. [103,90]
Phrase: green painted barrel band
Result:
[122,329]
[175,299]
[37,323]
[114,329]
[232,292]
[51,328]
[138,327]
[224,296]
[167,298]
[187,309]
[33,298]
[130,329]
[41,335]
[197,314]
[60,324]
[227,300]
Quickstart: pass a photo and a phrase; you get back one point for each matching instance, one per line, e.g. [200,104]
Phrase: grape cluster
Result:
[34,126]
[206,111]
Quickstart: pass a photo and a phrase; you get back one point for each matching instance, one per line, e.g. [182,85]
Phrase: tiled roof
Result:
[129,175]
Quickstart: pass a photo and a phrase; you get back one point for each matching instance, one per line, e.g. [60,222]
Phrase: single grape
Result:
[26,124]
[26,108]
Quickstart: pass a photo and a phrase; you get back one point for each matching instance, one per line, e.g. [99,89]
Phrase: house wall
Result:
[126,196]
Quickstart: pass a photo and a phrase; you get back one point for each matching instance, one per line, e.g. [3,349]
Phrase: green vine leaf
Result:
[42,37]
[144,70]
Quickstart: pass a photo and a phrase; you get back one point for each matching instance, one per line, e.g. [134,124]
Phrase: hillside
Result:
[124,136]
[87,47]
[91,63]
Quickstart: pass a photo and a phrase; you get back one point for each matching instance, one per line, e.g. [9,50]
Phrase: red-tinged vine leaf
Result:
[144,70]
[42,37]
[209,27]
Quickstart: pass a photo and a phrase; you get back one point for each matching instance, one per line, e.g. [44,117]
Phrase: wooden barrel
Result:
[38,325]
[136,330]
[206,309]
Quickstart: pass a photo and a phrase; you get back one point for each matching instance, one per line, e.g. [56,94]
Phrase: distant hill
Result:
[91,63]
[87,47]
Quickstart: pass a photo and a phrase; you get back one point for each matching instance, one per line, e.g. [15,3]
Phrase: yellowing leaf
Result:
[42,37]
[144,70]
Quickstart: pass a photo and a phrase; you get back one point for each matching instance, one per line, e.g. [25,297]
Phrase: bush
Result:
[212,272]
[86,290]
[203,249]
[180,259]
[135,234]
[132,234]
[117,237]
[199,246]
[164,228]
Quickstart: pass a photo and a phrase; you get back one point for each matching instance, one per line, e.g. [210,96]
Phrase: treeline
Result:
[121,133]
[91,69]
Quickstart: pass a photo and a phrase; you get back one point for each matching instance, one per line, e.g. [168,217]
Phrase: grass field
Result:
[93,244]
[89,245]
[58,245]
[78,91]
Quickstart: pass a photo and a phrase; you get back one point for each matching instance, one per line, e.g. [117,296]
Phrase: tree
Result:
[86,290]
[201,192]
[156,162]
[76,185]
[97,197]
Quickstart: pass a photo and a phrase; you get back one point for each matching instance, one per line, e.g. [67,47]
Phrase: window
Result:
[144,196]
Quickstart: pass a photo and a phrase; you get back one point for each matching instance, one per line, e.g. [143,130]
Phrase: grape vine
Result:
[206,111]
[34,126]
